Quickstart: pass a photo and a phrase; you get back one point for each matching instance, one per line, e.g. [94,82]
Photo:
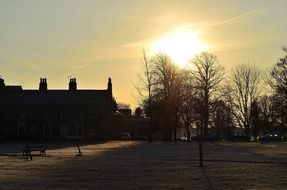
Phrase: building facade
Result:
[56,114]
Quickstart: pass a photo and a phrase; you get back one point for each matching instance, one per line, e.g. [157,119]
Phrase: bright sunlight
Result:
[181,45]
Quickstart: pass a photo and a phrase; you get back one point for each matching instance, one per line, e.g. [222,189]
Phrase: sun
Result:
[181,45]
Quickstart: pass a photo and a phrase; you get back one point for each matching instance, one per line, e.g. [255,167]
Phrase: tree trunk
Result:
[247,130]
[187,132]
[206,113]
[174,132]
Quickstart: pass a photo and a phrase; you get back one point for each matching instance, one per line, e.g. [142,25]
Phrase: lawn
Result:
[141,165]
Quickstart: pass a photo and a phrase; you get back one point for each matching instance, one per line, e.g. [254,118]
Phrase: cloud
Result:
[234,20]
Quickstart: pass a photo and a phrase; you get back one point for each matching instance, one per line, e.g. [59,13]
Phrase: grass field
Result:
[140,165]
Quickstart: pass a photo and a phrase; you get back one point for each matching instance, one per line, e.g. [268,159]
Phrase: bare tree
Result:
[144,88]
[160,89]
[279,74]
[122,105]
[208,74]
[268,106]
[189,100]
[255,118]
[279,85]
[243,89]
[166,92]
[222,119]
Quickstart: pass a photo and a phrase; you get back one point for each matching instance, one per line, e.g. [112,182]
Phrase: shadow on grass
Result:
[239,161]
[130,166]
[207,179]
[256,157]
[15,149]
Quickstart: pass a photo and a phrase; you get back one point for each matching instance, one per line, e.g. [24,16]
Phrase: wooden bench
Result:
[33,148]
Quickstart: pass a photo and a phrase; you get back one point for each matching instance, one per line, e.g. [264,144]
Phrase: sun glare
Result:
[180,45]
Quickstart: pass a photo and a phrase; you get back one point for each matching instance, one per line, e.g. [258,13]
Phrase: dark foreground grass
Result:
[140,165]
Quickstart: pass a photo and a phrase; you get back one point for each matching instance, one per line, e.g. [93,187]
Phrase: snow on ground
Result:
[141,165]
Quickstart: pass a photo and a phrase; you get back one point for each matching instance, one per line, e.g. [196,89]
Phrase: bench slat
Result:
[32,148]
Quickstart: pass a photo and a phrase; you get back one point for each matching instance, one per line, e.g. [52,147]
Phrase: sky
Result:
[96,39]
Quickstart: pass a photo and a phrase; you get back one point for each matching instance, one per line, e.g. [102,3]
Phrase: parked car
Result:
[140,138]
[270,137]
[125,136]
[183,138]
[238,137]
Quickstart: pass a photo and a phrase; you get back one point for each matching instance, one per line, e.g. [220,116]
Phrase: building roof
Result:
[16,95]
[55,96]
[13,88]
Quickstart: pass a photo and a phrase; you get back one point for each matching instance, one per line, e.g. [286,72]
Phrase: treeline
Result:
[203,95]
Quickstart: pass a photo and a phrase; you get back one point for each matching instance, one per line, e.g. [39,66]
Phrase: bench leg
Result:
[29,155]
[43,153]
[26,154]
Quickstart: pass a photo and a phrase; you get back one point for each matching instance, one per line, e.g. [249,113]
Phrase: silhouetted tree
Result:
[272,114]
[222,119]
[162,84]
[279,85]
[208,74]
[166,91]
[279,74]
[255,118]
[144,89]
[123,106]
[268,106]
[138,112]
[242,90]
[189,101]
[279,108]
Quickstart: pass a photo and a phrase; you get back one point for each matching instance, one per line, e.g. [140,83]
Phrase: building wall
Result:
[54,121]
[32,121]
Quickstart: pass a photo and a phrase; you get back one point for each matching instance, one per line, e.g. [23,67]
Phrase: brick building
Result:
[56,114]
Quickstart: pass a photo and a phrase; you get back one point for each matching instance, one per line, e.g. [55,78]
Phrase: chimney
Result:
[72,84]
[43,84]
[2,84]
[110,86]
